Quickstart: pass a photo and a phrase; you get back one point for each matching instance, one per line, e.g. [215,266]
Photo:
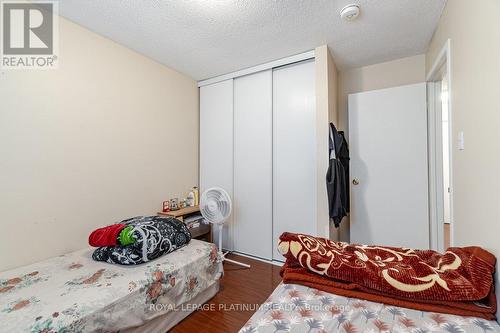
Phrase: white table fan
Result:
[215,207]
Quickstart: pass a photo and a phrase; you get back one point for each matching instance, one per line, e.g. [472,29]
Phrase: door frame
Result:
[433,78]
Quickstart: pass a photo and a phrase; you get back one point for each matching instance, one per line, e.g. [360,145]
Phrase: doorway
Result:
[445,151]
[440,151]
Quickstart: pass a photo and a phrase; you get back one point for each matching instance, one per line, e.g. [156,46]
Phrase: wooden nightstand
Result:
[203,232]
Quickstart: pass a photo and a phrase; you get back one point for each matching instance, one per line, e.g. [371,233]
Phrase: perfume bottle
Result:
[196,193]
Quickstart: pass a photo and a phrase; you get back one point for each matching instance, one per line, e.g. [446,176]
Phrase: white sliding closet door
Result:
[253,164]
[216,144]
[294,147]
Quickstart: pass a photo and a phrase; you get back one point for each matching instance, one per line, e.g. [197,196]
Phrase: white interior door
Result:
[216,144]
[253,206]
[388,147]
[294,146]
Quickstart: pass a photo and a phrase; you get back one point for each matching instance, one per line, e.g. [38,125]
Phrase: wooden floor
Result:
[238,286]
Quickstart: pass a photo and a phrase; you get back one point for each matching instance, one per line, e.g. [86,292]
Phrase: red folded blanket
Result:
[107,236]
[458,282]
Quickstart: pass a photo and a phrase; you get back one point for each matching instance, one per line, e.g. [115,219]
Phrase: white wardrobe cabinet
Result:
[294,151]
[216,144]
[253,158]
[258,141]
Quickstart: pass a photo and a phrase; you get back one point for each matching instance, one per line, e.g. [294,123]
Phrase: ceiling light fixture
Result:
[349,12]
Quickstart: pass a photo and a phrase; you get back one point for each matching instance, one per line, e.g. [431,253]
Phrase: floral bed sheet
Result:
[73,293]
[299,309]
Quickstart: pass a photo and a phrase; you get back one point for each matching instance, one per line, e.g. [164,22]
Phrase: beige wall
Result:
[326,99]
[379,76]
[326,111]
[384,75]
[107,136]
[475,73]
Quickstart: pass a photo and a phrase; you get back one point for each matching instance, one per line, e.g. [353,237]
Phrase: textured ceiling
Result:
[205,38]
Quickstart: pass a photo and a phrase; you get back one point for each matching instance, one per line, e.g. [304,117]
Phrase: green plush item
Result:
[126,236]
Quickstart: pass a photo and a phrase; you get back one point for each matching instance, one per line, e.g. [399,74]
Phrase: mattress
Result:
[73,293]
[299,309]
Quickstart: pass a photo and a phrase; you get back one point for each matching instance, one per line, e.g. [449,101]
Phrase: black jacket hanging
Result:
[337,177]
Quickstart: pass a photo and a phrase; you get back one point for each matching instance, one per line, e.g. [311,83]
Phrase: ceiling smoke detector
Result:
[349,12]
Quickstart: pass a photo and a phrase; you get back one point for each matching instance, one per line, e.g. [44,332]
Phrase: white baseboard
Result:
[272,262]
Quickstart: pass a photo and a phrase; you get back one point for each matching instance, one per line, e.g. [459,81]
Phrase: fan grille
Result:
[215,205]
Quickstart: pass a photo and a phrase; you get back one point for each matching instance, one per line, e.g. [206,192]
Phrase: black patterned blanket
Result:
[153,237]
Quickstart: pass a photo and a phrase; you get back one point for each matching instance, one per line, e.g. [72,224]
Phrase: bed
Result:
[298,309]
[73,293]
